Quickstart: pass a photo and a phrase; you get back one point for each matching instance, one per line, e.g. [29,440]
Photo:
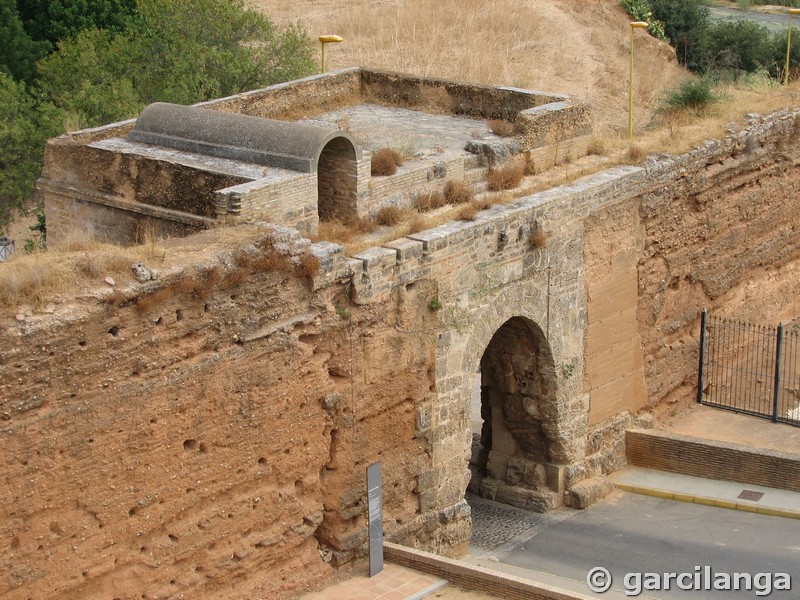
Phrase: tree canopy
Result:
[89,62]
[25,125]
[56,20]
[18,52]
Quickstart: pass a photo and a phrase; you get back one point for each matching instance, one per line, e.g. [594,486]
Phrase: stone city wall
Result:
[288,201]
[207,434]
[550,129]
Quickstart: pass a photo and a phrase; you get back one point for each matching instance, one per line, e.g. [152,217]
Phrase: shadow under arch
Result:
[337,179]
[514,458]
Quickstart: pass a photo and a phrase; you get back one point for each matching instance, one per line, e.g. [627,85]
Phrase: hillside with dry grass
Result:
[578,47]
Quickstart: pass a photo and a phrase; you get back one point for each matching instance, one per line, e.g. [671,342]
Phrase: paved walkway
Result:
[376,126]
[710,423]
[727,426]
[393,583]
[711,492]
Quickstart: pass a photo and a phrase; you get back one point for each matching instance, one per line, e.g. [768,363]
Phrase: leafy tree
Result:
[18,52]
[56,20]
[180,51]
[778,63]
[191,50]
[88,78]
[640,10]
[740,46]
[686,24]
[25,125]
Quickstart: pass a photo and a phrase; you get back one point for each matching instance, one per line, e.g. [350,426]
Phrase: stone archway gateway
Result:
[337,180]
[515,459]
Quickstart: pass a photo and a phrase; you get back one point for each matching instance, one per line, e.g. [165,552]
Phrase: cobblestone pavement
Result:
[495,525]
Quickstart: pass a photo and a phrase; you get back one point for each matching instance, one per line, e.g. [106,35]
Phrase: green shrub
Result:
[686,24]
[693,94]
[640,10]
[739,46]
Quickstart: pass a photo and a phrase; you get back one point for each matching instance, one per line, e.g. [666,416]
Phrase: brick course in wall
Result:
[711,459]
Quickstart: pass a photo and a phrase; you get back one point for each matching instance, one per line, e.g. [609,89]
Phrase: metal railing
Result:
[752,369]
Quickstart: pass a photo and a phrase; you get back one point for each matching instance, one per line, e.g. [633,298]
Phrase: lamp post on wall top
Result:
[790,12]
[634,26]
[328,39]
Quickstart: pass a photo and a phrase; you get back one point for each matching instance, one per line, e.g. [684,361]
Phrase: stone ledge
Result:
[474,577]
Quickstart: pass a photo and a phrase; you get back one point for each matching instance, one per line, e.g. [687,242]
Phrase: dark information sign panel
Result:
[375,508]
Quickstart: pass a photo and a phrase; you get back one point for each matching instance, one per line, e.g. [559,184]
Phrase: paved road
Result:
[627,533]
[774,22]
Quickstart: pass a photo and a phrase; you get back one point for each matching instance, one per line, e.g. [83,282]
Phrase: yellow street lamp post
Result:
[634,26]
[328,39]
[791,11]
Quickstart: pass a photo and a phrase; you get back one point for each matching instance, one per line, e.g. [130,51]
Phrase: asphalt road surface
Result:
[628,533]
[775,22]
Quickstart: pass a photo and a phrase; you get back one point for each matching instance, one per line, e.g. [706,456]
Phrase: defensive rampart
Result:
[189,435]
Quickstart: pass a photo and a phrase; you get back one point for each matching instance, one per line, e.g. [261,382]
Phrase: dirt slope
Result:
[580,47]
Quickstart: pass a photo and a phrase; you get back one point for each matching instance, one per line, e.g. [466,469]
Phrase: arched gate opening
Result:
[337,178]
[513,453]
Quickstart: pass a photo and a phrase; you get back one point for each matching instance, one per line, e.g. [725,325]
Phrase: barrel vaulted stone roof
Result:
[283,144]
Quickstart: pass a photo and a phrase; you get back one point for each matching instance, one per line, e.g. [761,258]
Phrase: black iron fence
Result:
[752,369]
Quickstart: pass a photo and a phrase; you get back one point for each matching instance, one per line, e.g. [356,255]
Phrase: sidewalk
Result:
[393,583]
[711,492]
[726,426]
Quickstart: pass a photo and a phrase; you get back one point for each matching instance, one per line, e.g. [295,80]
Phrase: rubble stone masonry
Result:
[185,440]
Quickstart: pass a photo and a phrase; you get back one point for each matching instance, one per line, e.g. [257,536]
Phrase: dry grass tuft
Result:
[506,177]
[333,231]
[597,146]
[155,299]
[273,261]
[501,127]
[458,192]
[537,238]
[636,153]
[468,212]
[385,162]
[361,224]
[309,265]
[235,277]
[430,201]
[389,215]
[530,166]
[417,224]
[486,201]
[207,280]
[342,231]
[35,279]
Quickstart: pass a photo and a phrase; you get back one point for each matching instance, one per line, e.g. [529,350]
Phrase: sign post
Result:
[375,509]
